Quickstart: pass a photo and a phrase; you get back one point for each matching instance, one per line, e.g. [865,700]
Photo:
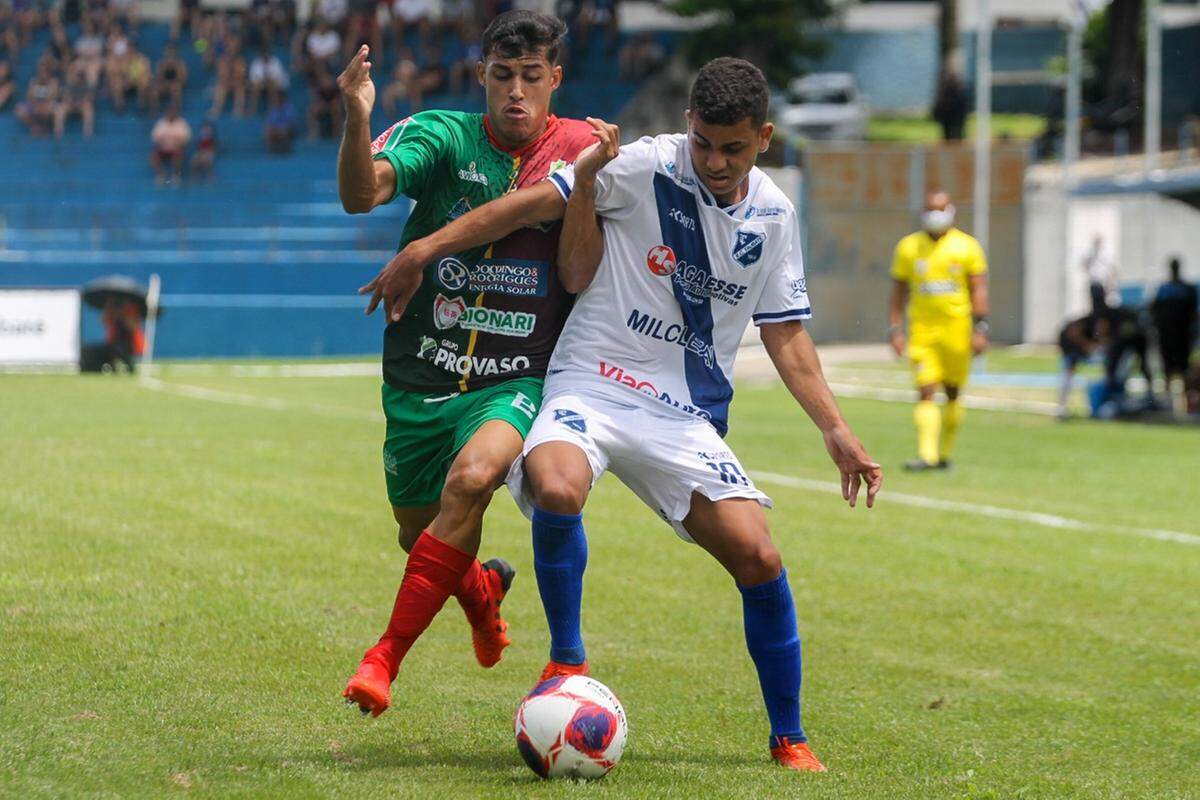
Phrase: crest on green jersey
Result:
[556,165]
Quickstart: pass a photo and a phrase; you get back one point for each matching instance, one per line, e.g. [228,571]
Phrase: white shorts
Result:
[664,460]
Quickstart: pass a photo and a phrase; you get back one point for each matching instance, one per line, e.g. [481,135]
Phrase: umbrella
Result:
[115,287]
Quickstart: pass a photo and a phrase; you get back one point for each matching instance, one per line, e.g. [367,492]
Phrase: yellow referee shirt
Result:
[938,272]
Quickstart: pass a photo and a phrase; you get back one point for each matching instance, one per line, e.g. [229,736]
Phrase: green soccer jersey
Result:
[489,314]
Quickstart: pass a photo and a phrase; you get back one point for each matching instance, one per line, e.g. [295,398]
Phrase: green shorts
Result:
[426,431]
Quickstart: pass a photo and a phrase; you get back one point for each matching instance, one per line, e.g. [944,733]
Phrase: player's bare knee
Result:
[472,481]
[927,392]
[760,563]
[557,493]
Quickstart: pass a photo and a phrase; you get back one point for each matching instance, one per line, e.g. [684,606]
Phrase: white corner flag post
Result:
[983,121]
[152,295]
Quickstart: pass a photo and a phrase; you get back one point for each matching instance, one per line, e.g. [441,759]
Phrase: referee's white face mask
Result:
[937,221]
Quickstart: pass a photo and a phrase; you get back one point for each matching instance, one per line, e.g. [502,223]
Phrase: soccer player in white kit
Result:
[696,243]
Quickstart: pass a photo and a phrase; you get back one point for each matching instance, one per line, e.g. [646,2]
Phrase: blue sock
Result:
[769,617]
[559,559]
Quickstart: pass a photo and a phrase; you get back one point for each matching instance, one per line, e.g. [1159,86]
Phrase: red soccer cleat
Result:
[489,634]
[370,688]
[557,670]
[796,755]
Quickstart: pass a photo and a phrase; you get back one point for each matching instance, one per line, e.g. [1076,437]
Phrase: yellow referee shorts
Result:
[940,352]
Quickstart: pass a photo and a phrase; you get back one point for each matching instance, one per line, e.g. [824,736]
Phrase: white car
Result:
[824,105]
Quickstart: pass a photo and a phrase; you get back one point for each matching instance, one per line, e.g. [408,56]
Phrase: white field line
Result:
[1053,521]
[995,512]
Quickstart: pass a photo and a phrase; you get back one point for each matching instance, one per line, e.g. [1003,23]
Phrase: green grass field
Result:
[189,571]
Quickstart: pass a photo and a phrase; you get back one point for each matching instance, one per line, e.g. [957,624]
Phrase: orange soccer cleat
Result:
[796,755]
[370,688]
[556,670]
[489,631]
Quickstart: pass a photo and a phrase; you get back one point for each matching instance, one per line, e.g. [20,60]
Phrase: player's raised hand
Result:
[358,90]
[856,466]
[595,156]
[397,282]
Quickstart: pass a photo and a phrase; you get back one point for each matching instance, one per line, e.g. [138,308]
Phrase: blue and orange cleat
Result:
[795,755]
[489,633]
[555,669]
[370,688]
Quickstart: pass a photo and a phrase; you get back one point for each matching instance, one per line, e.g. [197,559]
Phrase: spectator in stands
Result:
[404,77]
[26,19]
[170,78]
[640,56]
[126,10]
[334,12]
[169,137]
[130,73]
[89,50]
[189,17]
[458,19]
[231,81]
[117,44]
[325,108]
[362,27]
[10,42]
[467,53]
[279,129]
[321,47]
[596,14]
[412,15]
[211,37]
[206,152]
[41,98]
[1174,312]
[950,106]
[60,48]
[8,84]
[77,98]
[266,76]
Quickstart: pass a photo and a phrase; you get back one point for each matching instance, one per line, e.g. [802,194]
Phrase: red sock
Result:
[472,593]
[434,571]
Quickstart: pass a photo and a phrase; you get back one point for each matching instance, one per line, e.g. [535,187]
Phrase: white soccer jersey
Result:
[680,280]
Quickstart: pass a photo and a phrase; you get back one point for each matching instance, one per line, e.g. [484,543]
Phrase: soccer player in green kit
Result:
[463,362]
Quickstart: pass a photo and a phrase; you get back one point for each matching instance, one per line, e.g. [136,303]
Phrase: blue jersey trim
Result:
[560,183]
[710,390]
[784,316]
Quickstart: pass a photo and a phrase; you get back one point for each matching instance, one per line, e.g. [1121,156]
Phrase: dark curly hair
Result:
[521,33]
[727,90]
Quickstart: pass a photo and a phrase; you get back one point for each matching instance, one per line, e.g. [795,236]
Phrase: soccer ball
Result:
[571,726]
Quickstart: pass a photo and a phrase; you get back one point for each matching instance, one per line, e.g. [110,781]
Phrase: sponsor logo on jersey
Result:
[661,260]
[682,180]
[469,174]
[511,276]
[698,285]
[682,218]
[522,403]
[921,266]
[572,419]
[461,207]
[674,332]
[619,375]
[765,211]
[799,287]
[452,274]
[936,288]
[452,362]
[748,247]
[446,312]
[497,321]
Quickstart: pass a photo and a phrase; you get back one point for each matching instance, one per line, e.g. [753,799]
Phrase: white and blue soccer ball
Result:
[571,727]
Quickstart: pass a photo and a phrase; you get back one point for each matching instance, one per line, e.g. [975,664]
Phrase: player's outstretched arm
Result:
[581,244]
[362,182]
[401,277]
[795,358]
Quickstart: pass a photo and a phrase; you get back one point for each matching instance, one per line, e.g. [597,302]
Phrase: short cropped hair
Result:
[727,90]
[522,33]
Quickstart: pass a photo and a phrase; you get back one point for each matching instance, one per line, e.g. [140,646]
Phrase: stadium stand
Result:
[262,260]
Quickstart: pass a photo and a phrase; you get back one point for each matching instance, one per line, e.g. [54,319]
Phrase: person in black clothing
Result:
[950,107]
[1127,338]
[1079,340]
[1174,312]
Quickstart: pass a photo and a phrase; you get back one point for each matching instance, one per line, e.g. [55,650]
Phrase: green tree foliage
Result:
[773,34]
